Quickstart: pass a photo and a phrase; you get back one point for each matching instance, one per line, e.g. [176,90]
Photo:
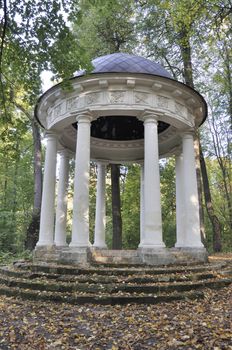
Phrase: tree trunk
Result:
[33,228]
[199,186]
[209,206]
[116,207]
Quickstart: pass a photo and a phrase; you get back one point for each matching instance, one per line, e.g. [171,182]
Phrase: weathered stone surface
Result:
[112,285]
[141,256]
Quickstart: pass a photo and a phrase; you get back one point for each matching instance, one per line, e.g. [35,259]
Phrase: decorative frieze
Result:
[54,114]
[92,98]
[117,96]
[71,103]
[190,118]
[163,102]
[179,109]
[50,113]
[141,97]
[57,110]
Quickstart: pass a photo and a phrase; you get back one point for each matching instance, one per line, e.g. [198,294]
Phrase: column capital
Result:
[149,117]
[64,152]
[188,134]
[179,155]
[102,162]
[50,135]
[85,117]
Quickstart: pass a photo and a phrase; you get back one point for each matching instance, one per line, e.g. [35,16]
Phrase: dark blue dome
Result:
[125,63]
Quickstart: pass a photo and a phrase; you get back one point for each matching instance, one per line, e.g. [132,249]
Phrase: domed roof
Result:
[126,63]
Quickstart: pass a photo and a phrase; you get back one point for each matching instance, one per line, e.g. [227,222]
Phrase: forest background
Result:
[190,38]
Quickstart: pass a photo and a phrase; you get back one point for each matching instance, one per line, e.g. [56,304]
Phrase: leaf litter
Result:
[187,325]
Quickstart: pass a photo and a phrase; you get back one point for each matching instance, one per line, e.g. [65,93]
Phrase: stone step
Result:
[111,285]
[146,278]
[99,299]
[115,271]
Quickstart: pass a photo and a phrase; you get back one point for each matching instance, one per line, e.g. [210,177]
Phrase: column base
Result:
[85,256]
[99,246]
[75,255]
[154,255]
[61,245]
[80,245]
[191,254]
[45,253]
[172,256]
[45,244]
[151,246]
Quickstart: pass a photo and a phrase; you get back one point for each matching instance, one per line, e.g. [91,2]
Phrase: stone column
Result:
[62,199]
[99,235]
[141,202]
[180,205]
[80,225]
[46,232]
[191,202]
[152,234]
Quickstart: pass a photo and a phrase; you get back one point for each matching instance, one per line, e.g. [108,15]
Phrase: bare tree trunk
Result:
[199,186]
[217,246]
[116,207]
[33,228]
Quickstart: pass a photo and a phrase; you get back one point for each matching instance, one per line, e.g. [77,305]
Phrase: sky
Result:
[46,80]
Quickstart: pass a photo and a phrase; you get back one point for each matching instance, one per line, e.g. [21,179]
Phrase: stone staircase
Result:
[112,283]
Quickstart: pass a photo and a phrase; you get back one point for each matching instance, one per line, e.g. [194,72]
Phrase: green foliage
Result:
[34,36]
[16,182]
[220,203]
[131,207]
[168,200]
[105,27]
[8,257]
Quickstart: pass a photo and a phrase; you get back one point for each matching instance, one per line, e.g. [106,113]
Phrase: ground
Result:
[204,324]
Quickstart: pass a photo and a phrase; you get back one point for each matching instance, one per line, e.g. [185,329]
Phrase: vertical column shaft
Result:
[48,197]
[62,199]
[99,236]
[152,237]
[180,205]
[80,225]
[141,202]
[191,202]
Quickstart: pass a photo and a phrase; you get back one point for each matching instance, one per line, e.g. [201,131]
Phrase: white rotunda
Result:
[128,109]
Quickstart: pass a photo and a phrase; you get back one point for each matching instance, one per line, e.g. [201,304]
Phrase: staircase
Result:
[112,283]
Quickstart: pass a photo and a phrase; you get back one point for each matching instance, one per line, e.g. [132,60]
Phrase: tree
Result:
[34,36]
[16,182]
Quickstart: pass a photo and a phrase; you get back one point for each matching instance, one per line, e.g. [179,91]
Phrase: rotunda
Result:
[128,109]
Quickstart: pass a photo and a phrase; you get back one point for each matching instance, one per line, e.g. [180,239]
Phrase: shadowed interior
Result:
[120,128]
